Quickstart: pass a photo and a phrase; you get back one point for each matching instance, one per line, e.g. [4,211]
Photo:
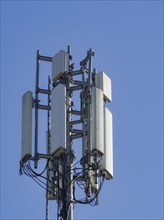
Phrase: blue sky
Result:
[127,37]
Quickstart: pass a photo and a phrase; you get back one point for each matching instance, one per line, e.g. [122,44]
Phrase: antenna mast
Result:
[92,123]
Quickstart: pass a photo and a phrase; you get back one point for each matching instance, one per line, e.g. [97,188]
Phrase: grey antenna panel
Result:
[103,82]
[107,161]
[26,149]
[58,120]
[97,120]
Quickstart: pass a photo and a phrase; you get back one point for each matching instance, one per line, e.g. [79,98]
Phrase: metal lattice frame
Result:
[63,167]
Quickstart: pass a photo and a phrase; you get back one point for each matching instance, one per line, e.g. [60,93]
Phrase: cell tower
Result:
[92,123]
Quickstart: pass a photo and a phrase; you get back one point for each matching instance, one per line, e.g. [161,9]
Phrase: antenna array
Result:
[92,123]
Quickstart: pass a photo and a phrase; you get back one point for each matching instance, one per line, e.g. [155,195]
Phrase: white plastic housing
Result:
[60,64]
[97,120]
[26,148]
[107,161]
[58,119]
[103,82]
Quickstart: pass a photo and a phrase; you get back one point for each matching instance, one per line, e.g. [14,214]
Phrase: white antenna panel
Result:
[26,149]
[60,64]
[58,120]
[103,82]
[107,160]
[97,120]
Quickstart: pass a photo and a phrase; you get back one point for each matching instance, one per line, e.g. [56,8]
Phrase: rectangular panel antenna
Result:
[58,120]
[103,82]
[26,147]
[97,120]
[107,160]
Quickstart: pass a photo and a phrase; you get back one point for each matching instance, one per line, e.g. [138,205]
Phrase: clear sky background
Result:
[127,37]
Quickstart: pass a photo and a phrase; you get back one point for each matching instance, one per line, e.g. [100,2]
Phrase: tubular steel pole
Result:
[48,141]
[89,147]
[89,99]
[67,160]
[69,142]
[36,109]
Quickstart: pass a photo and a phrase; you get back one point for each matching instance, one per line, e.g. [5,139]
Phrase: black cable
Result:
[29,173]
[36,180]
[27,170]
[76,178]
[80,184]
[38,174]
[33,174]
[84,201]
[20,168]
